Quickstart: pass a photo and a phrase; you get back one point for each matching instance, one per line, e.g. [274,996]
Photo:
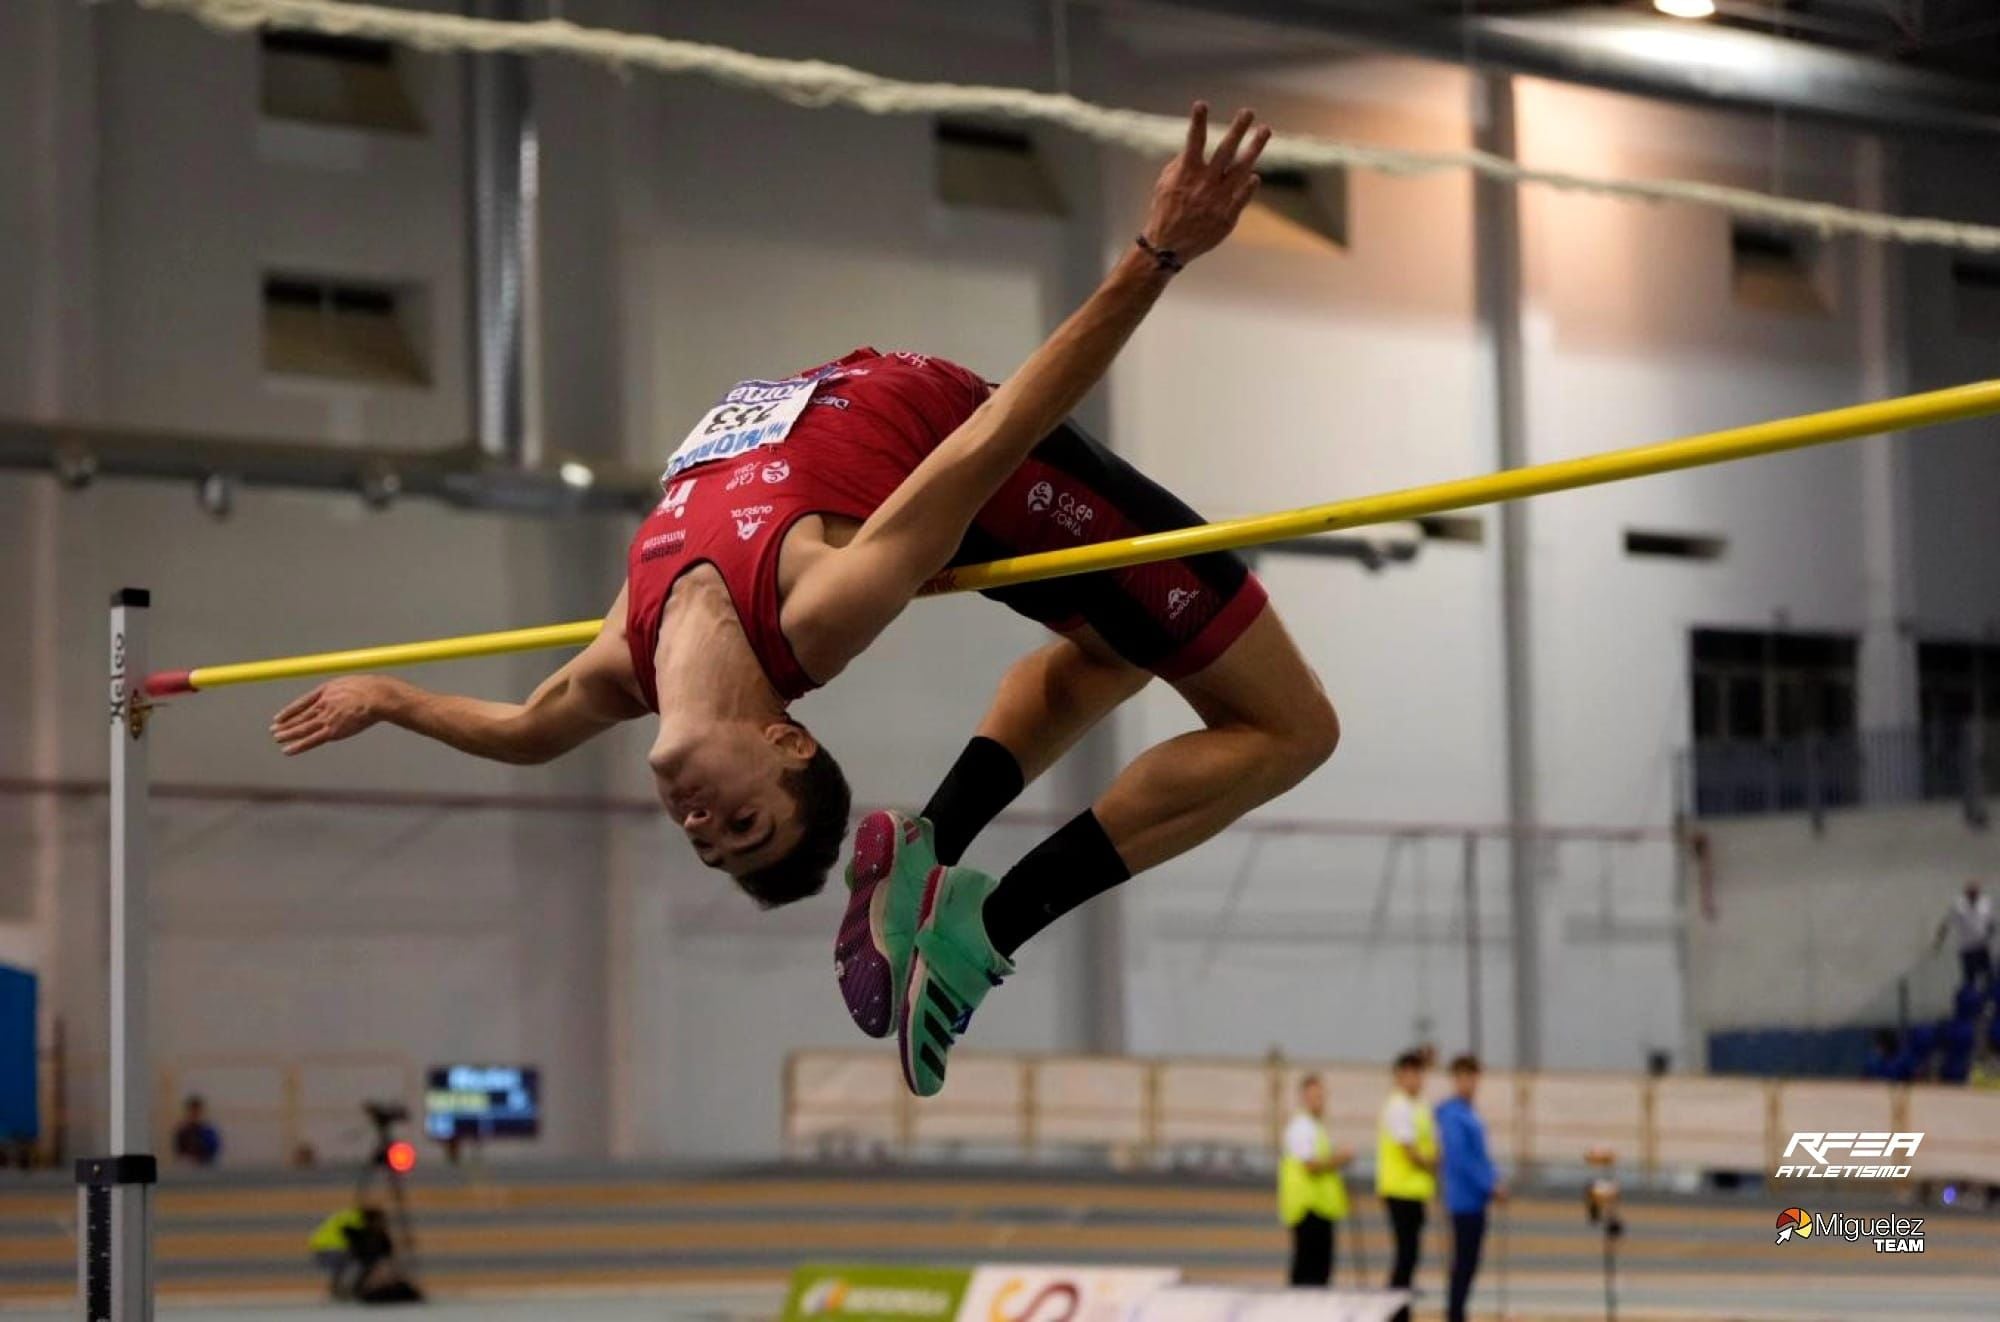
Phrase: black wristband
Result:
[1166,258]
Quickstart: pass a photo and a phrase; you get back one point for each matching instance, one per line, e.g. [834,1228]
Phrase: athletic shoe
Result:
[955,966]
[885,881]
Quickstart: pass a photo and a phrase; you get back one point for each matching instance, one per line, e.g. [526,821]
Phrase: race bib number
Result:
[752,414]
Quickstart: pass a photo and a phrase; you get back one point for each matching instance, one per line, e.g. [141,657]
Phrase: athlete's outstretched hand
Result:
[1199,196]
[338,709]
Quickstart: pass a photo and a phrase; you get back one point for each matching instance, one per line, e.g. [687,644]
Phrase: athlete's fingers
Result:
[297,727]
[297,705]
[1248,160]
[1245,191]
[1225,151]
[311,738]
[283,731]
[1197,135]
[297,714]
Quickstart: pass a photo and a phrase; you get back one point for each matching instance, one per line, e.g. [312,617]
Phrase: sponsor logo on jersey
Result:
[661,544]
[775,472]
[743,476]
[1072,514]
[1179,599]
[676,498]
[749,519]
[1040,497]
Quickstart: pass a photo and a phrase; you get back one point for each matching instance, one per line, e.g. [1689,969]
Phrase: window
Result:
[992,169]
[1777,270]
[345,329]
[1753,685]
[346,82]
[1957,683]
[1774,721]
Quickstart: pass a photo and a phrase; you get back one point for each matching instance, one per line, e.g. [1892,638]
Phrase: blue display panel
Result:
[483,1101]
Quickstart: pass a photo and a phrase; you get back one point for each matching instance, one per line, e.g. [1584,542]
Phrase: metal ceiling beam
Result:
[1648,55]
[460,475]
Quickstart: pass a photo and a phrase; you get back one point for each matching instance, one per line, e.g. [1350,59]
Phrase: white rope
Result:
[817,84]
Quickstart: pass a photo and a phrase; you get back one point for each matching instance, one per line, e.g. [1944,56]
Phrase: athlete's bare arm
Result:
[845,598]
[592,692]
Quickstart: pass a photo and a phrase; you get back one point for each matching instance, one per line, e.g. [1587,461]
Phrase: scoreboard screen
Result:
[483,1101]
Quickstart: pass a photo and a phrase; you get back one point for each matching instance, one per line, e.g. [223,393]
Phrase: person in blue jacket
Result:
[1470,1180]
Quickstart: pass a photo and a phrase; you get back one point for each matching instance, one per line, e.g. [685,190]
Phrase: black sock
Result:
[984,780]
[1075,864]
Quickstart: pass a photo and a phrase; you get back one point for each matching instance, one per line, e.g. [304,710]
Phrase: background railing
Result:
[1129,1112]
[269,1109]
[1735,777]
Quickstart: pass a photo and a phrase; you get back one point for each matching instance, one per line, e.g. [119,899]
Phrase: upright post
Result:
[1475,1034]
[115,1271]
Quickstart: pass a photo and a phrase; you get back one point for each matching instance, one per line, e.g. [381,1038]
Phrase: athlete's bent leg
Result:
[1046,702]
[1267,724]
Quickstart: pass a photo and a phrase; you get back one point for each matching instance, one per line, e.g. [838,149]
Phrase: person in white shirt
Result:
[1312,1197]
[1970,921]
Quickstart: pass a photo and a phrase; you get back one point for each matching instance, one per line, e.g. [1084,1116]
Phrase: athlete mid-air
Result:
[799,518]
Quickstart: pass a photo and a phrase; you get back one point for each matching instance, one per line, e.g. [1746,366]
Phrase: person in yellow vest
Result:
[1406,1167]
[1312,1198]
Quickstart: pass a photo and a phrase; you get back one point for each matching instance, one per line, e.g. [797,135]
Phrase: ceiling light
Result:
[1686,8]
[576,475]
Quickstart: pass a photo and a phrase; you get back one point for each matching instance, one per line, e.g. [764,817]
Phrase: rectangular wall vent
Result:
[344,329]
[1312,203]
[1975,296]
[992,169]
[343,82]
[1777,270]
[1467,528]
[1675,545]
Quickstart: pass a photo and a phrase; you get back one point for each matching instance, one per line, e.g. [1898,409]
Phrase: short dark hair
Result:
[1410,1060]
[1309,1080]
[819,789]
[1466,1064]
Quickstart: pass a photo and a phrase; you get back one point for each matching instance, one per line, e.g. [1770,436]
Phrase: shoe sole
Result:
[861,962]
[919,976]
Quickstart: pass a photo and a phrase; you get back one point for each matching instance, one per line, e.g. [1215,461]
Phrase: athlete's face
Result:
[726,789]
[1313,1094]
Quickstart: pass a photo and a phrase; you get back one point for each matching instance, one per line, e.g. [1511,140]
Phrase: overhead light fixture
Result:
[1686,8]
[576,476]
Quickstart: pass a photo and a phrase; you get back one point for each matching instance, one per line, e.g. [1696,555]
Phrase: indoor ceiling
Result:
[1954,36]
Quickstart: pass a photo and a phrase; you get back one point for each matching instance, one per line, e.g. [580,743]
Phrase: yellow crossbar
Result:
[1968,401]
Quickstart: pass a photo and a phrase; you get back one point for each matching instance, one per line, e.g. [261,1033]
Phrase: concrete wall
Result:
[1816,930]
[694,235]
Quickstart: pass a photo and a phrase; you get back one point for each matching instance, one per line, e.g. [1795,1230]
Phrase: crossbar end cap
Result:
[139,597]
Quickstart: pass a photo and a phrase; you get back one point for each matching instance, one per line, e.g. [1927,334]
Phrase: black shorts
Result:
[1172,617]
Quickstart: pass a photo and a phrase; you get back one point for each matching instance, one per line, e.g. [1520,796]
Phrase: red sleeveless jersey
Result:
[871,421]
